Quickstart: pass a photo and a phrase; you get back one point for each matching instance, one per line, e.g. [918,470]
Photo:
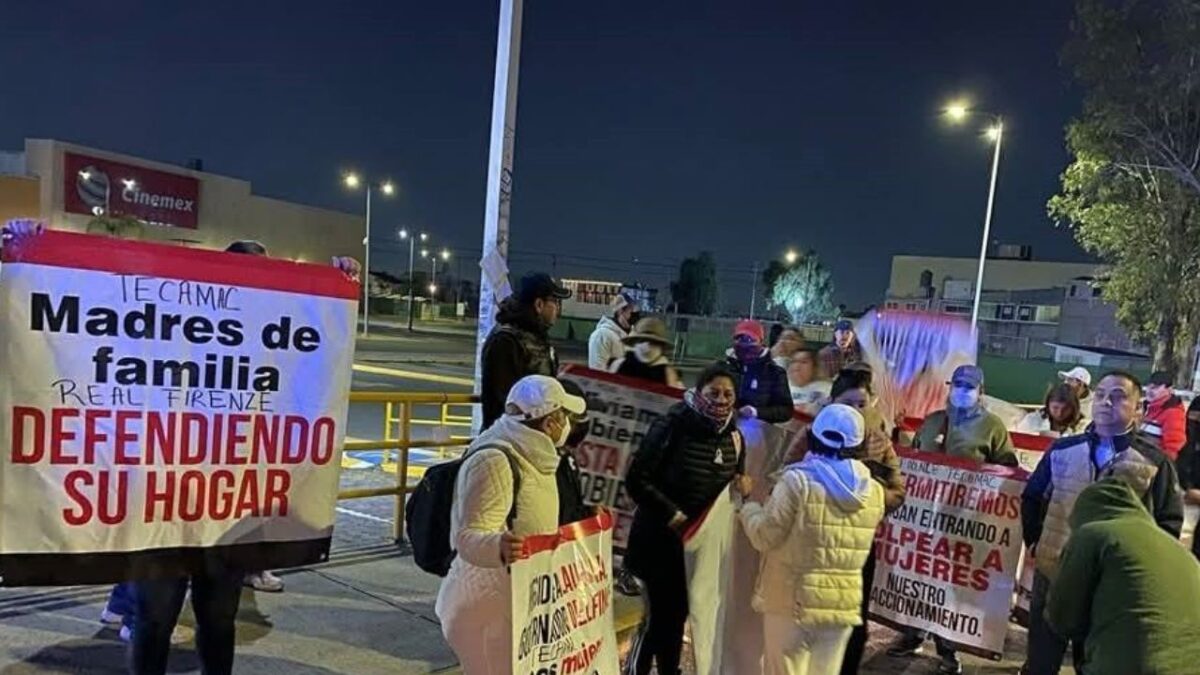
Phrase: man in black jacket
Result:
[520,343]
[763,391]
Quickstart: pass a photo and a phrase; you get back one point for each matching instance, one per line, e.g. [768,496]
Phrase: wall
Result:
[998,274]
[228,211]
[19,198]
[1091,322]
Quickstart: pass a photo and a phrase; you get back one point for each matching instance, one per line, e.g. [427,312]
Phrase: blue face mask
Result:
[964,398]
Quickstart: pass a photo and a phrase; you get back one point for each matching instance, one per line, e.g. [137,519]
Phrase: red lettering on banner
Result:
[322,442]
[123,438]
[993,561]
[161,438]
[156,495]
[248,497]
[276,498]
[266,440]
[20,414]
[220,497]
[195,443]
[72,485]
[110,505]
[290,423]
[234,437]
[92,434]
[59,434]
[191,491]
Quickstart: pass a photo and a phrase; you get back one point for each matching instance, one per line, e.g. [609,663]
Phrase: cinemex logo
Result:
[134,195]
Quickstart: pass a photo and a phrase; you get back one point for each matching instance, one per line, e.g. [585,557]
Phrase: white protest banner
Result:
[562,613]
[160,402]
[629,407]
[946,561]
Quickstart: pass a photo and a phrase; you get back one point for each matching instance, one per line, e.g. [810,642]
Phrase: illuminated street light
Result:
[424,253]
[959,111]
[445,254]
[352,181]
[412,242]
[791,257]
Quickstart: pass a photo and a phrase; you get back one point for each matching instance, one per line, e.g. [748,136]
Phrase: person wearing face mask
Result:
[1165,420]
[965,428]
[763,392]
[495,510]
[647,359]
[1111,447]
[684,462]
[519,345]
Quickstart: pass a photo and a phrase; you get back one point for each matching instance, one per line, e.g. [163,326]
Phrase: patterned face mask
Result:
[717,413]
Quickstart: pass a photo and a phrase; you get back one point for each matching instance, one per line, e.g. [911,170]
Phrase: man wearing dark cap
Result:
[520,343]
[1165,421]
[840,353]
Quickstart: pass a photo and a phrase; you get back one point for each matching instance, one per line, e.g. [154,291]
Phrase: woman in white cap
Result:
[815,532]
[647,358]
[506,491]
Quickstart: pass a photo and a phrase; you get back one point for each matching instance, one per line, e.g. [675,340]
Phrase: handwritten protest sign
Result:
[562,602]
[160,402]
[629,408]
[947,559]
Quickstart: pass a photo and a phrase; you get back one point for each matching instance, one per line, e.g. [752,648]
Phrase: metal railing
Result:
[399,421]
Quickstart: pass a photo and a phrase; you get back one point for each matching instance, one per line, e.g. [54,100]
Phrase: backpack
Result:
[427,513]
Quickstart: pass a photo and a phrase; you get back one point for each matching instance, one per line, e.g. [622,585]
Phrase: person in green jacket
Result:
[965,428]
[1126,589]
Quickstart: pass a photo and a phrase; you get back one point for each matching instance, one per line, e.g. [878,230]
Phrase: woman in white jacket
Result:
[814,531]
[474,601]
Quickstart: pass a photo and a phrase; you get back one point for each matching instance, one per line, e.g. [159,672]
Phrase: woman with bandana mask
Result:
[687,457]
[647,358]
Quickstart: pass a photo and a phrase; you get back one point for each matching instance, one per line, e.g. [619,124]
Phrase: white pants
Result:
[792,649]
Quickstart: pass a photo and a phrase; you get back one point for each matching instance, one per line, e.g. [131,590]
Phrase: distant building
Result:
[1027,306]
[68,185]
[590,299]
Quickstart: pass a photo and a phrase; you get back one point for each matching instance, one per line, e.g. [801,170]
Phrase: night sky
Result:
[648,130]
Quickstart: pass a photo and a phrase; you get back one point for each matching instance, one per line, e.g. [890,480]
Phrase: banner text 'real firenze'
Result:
[162,413]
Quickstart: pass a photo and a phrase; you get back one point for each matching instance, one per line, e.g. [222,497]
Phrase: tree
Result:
[804,290]
[119,226]
[1131,195]
[695,291]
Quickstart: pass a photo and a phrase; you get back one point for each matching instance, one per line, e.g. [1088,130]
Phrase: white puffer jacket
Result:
[815,532]
[474,602]
[606,344]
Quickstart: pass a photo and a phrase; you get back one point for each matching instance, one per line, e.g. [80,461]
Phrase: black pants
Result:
[656,557]
[215,598]
[858,639]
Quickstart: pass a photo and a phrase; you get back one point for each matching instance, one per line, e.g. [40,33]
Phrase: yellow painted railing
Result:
[398,440]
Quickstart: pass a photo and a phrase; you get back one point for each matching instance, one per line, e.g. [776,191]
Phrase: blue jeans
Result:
[215,598]
[121,601]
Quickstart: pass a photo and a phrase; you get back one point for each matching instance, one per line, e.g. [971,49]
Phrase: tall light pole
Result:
[959,112]
[352,181]
[412,244]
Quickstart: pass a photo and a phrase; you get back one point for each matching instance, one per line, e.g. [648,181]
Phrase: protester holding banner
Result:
[815,532]
[1111,447]
[686,459]
[763,391]
[647,358]
[965,428]
[1058,416]
[494,509]
[520,343]
[1126,590]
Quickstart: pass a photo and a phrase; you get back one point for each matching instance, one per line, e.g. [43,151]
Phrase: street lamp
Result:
[957,112]
[790,257]
[412,242]
[353,181]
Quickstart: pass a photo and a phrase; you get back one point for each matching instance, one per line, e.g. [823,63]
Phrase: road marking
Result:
[364,516]
[414,375]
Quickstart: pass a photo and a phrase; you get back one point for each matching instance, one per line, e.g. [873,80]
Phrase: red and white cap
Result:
[535,396]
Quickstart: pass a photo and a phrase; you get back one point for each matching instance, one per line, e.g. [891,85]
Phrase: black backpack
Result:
[427,513]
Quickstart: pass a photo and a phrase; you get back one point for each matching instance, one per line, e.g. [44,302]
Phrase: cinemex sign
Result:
[92,185]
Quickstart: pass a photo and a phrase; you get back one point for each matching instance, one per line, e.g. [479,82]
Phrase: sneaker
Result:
[182,634]
[949,665]
[264,582]
[126,634]
[111,618]
[909,645]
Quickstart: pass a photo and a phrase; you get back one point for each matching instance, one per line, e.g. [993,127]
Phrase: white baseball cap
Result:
[536,396]
[1077,373]
[839,426]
